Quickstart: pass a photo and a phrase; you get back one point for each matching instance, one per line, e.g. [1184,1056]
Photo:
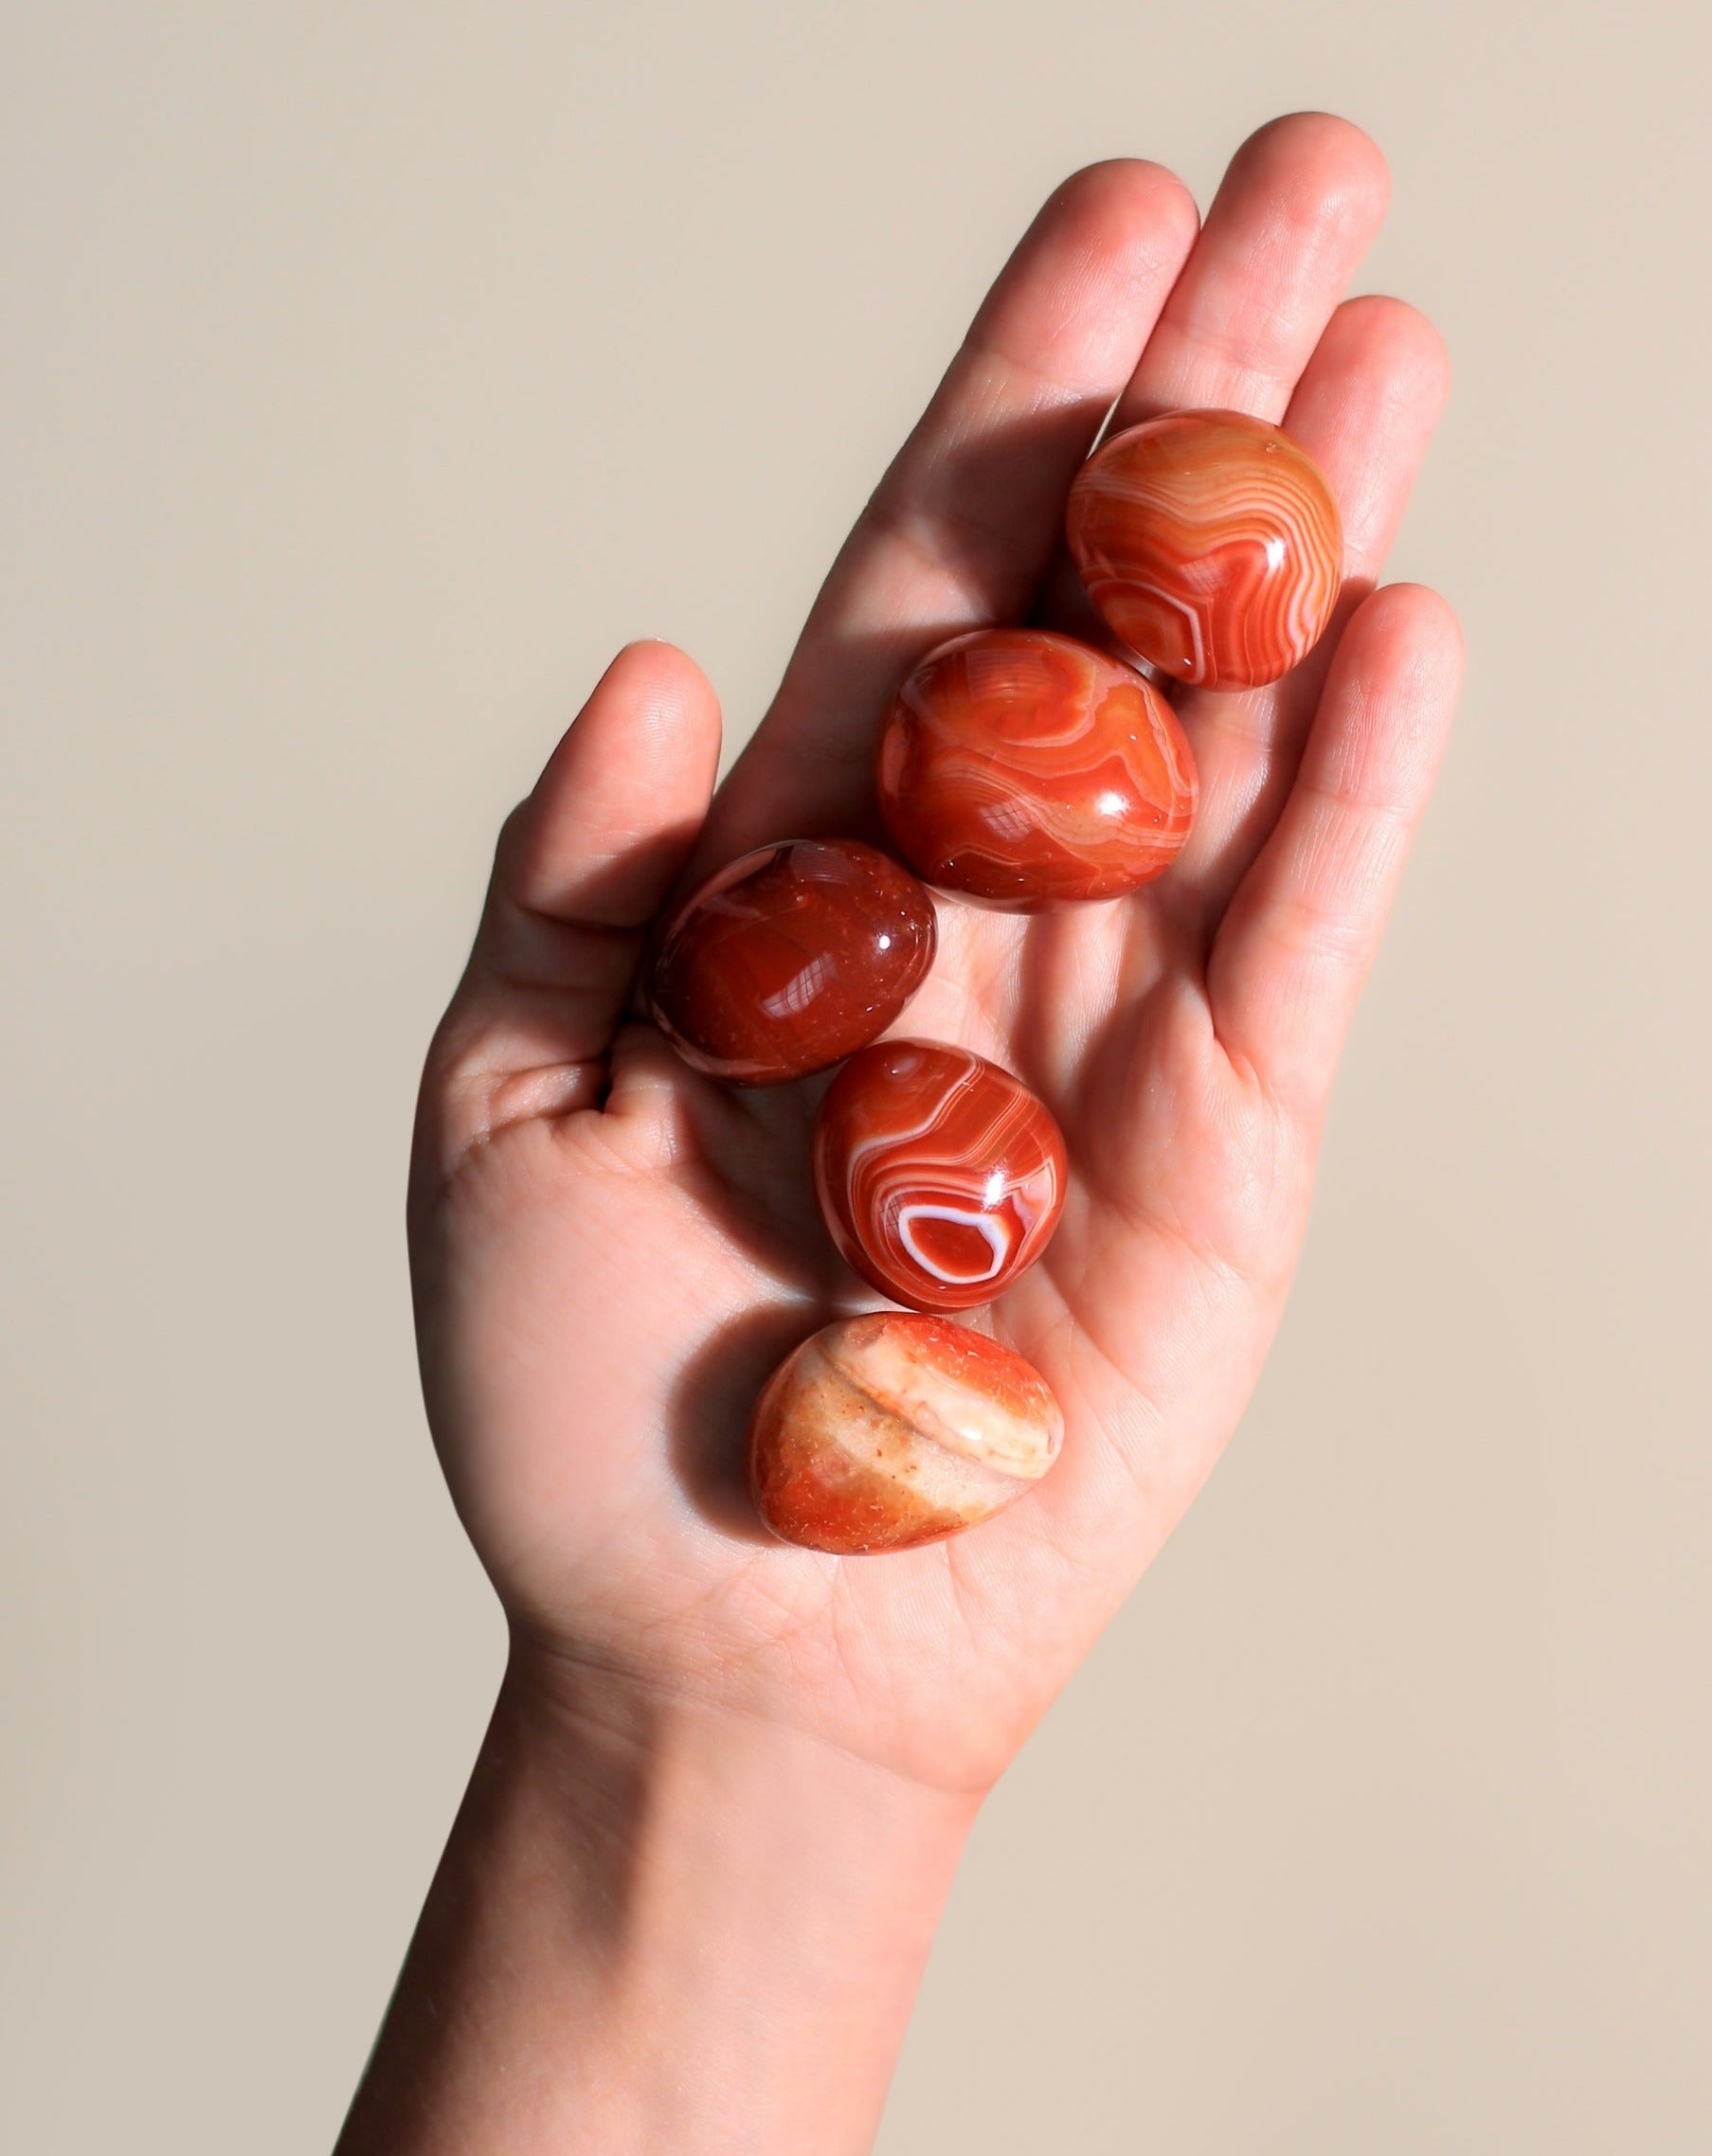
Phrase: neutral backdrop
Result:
[370,374]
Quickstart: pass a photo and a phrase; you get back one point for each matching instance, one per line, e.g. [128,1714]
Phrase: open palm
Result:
[612,1252]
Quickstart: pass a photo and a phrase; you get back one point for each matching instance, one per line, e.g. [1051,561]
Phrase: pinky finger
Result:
[1300,933]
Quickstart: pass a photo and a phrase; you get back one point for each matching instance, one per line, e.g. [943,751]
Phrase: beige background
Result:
[372,371]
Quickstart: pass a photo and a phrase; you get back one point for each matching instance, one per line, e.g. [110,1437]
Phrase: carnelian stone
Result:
[941,1177]
[1211,542]
[1022,770]
[790,958]
[891,1429]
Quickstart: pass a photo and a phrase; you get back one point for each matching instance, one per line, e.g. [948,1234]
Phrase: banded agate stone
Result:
[941,1177]
[888,1431]
[790,958]
[1210,543]
[1022,769]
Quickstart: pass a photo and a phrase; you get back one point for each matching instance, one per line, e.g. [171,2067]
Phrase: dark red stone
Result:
[789,959]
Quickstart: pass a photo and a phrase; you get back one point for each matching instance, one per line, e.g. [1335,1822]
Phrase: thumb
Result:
[581,866]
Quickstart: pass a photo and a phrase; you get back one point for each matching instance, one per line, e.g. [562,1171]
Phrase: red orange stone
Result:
[1211,542]
[941,1177]
[790,958]
[1022,770]
[891,1429]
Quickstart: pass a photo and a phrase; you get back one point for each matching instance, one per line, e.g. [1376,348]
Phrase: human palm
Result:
[610,1252]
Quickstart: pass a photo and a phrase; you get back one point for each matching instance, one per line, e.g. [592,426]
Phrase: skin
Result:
[688,1899]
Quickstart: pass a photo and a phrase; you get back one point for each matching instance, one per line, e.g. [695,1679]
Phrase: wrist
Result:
[764,1903]
[659,1923]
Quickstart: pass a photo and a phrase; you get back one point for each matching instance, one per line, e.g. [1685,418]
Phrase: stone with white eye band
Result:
[941,1177]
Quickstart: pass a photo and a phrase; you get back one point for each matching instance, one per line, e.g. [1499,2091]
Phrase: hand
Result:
[611,1253]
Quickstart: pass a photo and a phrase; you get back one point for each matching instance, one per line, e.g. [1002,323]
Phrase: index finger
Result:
[962,527]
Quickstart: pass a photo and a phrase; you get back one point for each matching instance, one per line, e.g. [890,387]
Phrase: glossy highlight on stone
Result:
[1210,542]
[1024,769]
[941,1177]
[888,1431]
[789,959]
